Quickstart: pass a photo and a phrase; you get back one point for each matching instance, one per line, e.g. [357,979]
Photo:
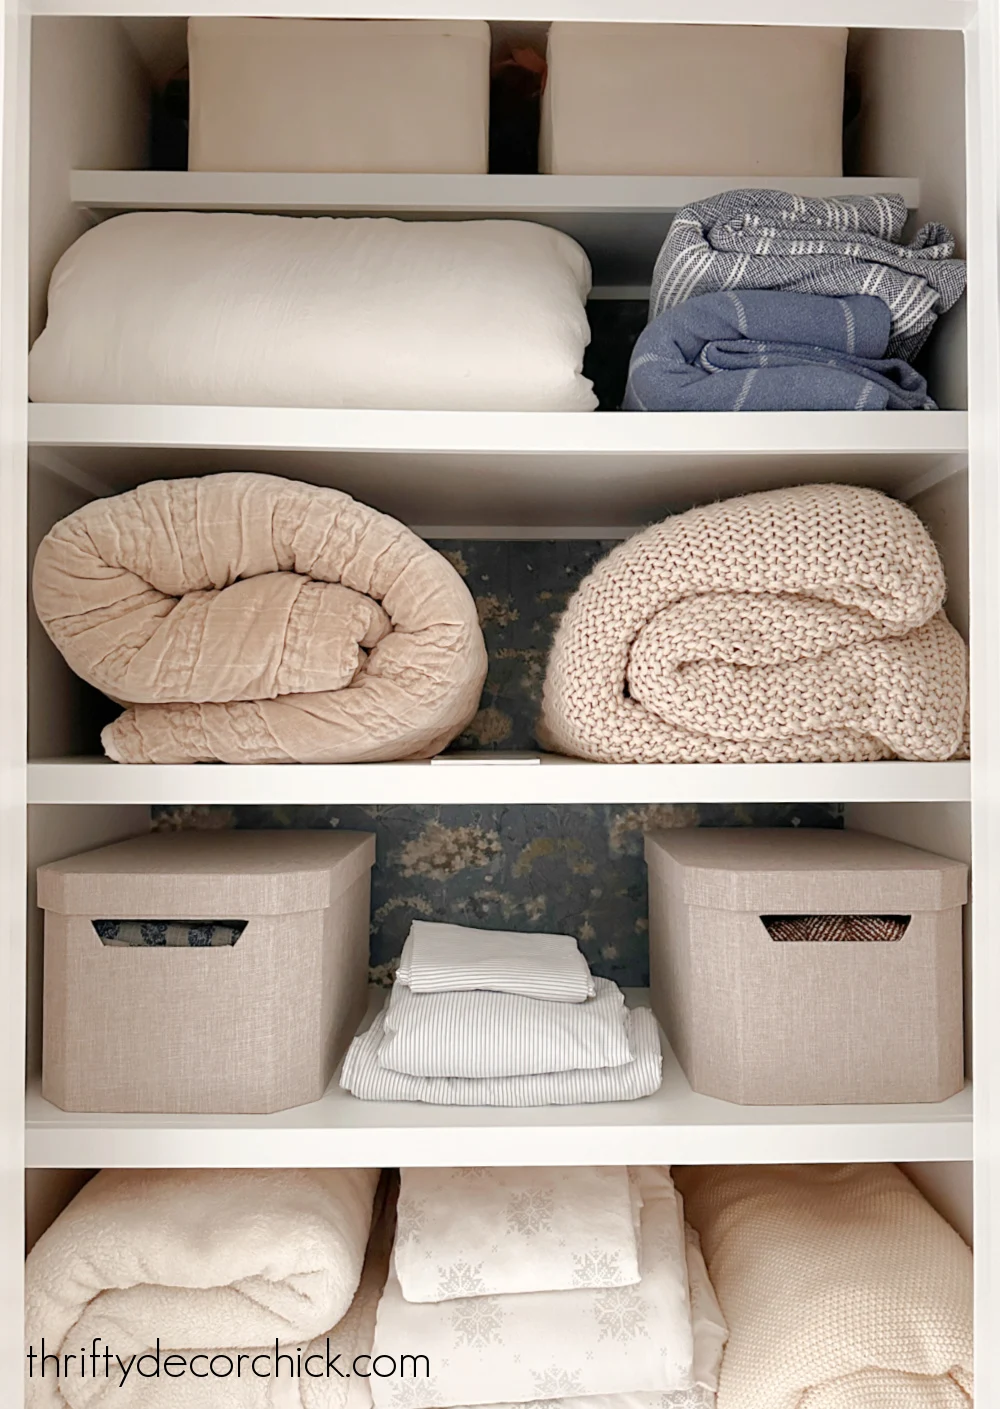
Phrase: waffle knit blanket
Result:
[764,351]
[842,1288]
[798,625]
[250,619]
[772,240]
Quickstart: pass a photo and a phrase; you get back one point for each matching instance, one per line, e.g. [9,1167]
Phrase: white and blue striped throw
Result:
[772,240]
[502,1034]
[365,1077]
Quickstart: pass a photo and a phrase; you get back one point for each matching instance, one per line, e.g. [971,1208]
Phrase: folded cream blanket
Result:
[842,1287]
[487,1232]
[250,619]
[799,625]
[208,1260]
[547,1345]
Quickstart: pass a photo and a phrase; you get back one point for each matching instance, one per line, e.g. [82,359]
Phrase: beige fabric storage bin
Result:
[243,1028]
[338,95]
[693,100]
[807,967]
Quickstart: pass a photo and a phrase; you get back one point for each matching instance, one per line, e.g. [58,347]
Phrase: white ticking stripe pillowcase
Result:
[439,958]
[502,1034]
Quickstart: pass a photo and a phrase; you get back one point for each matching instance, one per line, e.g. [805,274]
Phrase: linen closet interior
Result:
[523,506]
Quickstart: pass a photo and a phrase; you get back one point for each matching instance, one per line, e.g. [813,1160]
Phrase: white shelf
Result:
[492,780]
[620,220]
[674,1126]
[514,471]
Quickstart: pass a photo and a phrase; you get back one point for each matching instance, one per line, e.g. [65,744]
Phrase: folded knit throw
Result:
[764,351]
[250,619]
[842,1287]
[772,240]
[798,625]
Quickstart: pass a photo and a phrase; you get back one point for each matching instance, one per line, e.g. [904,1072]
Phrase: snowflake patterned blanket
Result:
[799,625]
[763,351]
[205,1263]
[747,239]
[250,619]
[515,1348]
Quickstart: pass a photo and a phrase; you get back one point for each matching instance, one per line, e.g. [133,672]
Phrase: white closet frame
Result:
[876,792]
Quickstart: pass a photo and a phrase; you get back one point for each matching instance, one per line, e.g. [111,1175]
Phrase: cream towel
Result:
[800,625]
[207,1260]
[842,1287]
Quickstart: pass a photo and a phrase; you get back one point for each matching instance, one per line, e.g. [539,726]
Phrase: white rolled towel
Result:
[211,1260]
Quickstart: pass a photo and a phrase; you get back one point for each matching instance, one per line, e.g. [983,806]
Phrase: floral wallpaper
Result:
[563,869]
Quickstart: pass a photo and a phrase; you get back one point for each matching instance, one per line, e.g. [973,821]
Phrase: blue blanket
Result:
[763,351]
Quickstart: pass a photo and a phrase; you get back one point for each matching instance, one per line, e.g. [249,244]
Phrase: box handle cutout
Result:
[840,929]
[169,934]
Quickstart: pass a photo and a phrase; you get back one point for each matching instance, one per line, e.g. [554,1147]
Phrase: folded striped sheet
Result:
[365,1077]
[502,1034]
[439,958]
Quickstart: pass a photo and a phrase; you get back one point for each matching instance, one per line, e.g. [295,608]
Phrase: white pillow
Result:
[222,309]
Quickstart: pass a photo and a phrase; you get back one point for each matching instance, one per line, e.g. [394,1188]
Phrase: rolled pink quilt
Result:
[798,625]
[249,619]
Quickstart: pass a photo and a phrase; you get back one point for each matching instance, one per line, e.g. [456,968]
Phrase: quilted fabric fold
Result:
[250,619]
[797,625]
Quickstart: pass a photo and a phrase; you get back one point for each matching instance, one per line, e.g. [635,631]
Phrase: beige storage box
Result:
[693,100]
[339,95]
[807,967]
[162,1017]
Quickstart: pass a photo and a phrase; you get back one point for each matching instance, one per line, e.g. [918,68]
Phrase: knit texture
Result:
[773,240]
[798,625]
[842,1287]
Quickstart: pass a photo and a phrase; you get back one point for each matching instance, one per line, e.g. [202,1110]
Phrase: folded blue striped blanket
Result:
[749,239]
[761,351]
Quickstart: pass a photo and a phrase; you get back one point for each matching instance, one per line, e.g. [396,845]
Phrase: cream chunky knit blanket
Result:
[842,1288]
[799,625]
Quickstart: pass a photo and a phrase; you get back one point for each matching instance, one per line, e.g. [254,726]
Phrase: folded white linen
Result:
[365,1077]
[440,958]
[502,1034]
[208,1260]
[547,1345]
[710,1335]
[479,1232]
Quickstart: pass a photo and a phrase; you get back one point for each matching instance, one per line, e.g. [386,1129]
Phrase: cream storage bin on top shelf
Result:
[807,967]
[338,95]
[214,974]
[693,100]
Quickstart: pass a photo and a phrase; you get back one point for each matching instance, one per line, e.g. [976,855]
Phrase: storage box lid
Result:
[207,875]
[803,871]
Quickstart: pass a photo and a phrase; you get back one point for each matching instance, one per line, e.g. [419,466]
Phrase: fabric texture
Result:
[169,934]
[763,351]
[797,625]
[619,100]
[338,95]
[502,1231]
[842,1287]
[439,958]
[476,1034]
[747,239]
[223,309]
[544,1345]
[250,619]
[365,1077]
[207,1260]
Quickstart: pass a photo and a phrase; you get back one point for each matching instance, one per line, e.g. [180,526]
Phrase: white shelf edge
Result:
[813,433]
[470,195]
[554,781]
[674,1126]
